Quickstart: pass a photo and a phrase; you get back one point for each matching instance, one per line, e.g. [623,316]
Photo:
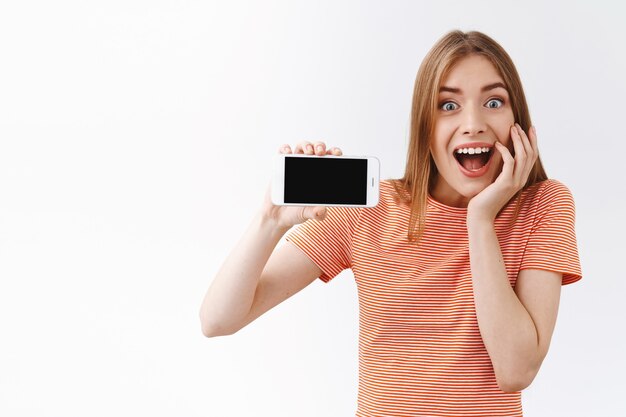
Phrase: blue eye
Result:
[447,106]
[493,100]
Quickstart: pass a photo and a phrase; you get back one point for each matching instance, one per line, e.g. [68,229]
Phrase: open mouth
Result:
[473,160]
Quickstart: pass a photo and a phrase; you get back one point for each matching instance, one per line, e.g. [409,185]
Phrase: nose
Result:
[473,122]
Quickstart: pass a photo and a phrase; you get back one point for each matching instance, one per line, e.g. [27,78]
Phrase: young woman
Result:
[458,268]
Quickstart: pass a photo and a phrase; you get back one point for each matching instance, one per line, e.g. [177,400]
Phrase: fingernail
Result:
[319,147]
[309,148]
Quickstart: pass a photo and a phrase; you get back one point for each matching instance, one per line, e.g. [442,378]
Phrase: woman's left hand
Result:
[515,171]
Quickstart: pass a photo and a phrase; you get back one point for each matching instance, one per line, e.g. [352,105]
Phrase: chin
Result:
[469,197]
[472,191]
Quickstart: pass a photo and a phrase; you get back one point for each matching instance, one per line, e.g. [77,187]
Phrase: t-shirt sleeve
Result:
[328,242]
[552,243]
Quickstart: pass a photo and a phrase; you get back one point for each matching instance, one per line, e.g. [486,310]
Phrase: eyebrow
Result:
[485,88]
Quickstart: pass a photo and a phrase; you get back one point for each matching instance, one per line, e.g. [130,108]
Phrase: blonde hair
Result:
[421,172]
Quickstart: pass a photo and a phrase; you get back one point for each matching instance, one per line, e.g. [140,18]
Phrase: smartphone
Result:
[311,180]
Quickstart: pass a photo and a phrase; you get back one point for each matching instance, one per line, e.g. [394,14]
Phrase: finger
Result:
[316,213]
[285,149]
[527,161]
[320,148]
[516,135]
[333,151]
[319,212]
[520,155]
[533,141]
[303,148]
[507,158]
[525,141]
[520,172]
[530,154]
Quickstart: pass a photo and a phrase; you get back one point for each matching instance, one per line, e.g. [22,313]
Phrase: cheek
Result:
[442,134]
[501,126]
[503,132]
[435,142]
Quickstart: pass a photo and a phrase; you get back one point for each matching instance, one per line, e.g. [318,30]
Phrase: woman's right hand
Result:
[288,216]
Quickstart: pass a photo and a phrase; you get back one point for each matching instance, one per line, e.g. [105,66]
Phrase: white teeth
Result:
[472,151]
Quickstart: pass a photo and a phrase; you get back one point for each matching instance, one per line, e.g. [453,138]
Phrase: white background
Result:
[136,140]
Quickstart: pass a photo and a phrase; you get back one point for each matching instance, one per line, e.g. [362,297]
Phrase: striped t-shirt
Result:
[420,349]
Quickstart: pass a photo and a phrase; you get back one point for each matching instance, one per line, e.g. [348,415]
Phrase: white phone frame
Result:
[278,180]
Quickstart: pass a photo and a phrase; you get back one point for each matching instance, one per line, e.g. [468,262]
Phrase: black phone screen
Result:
[321,180]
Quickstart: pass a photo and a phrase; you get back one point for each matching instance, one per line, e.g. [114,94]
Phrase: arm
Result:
[516,325]
[248,284]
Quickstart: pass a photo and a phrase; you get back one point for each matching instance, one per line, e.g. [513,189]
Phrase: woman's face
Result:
[473,112]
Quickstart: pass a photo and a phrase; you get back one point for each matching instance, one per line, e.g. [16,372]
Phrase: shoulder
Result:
[352,215]
[389,207]
[555,189]
[538,202]
[550,199]
[551,193]
[347,215]
[391,191]
[392,199]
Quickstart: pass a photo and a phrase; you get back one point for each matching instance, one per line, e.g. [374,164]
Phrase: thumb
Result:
[315,213]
